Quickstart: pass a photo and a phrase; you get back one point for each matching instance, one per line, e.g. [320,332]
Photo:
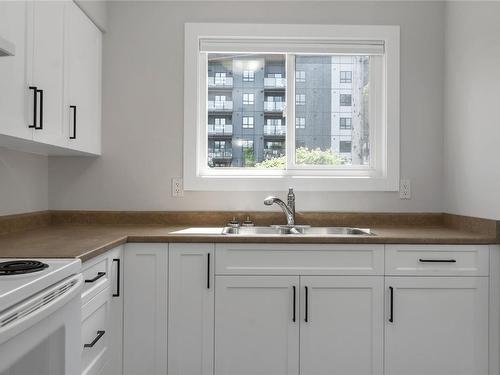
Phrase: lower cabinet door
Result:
[191,309]
[145,309]
[341,325]
[255,331]
[436,326]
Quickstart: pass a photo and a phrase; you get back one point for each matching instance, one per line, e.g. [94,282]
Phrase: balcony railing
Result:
[220,81]
[271,153]
[220,106]
[214,129]
[279,130]
[274,106]
[220,154]
[271,82]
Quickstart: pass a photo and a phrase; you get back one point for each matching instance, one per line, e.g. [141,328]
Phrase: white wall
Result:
[23,182]
[143,107]
[472,115]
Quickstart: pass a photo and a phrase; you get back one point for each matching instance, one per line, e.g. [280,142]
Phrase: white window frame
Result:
[250,123]
[384,148]
[248,96]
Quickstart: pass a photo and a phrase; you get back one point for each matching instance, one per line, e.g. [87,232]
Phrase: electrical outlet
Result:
[177,187]
[404,189]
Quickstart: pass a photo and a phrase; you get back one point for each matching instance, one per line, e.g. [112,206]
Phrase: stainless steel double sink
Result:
[284,230]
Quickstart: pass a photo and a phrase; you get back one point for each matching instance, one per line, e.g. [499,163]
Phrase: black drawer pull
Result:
[41,110]
[117,294]
[437,260]
[391,293]
[306,317]
[94,341]
[294,303]
[208,270]
[99,275]
[73,107]
[35,105]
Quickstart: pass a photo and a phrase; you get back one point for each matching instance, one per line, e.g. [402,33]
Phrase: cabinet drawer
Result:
[286,259]
[95,315]
[437,260]
[96,276]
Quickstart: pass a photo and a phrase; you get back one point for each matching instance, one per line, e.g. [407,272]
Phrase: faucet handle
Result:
[233,223]
[247,222]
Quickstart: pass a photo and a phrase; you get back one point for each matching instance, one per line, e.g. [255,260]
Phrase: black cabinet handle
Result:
[117,294]
[306,317]
[41,110]
[35,105]
[73,107]
[94,341]
[208,271]
[391,293]
[294,301]
[437,260]
[99,275]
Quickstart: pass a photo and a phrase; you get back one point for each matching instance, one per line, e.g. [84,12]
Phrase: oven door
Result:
[41,335]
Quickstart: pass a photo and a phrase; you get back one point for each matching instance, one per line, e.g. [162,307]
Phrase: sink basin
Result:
[279,230]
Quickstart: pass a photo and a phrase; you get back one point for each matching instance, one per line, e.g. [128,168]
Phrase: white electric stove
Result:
[40,316]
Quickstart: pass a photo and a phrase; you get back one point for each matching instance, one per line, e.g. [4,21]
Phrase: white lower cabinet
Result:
[145,309]
[436,326]
[191,309]
[341,325]
[255,331]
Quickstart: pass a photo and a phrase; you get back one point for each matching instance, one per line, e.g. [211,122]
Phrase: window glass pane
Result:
[333,102]
[245,104]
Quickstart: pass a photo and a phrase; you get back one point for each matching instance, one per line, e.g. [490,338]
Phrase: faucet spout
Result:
[289,212]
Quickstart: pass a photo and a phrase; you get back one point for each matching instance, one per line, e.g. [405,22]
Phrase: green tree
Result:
[304,156]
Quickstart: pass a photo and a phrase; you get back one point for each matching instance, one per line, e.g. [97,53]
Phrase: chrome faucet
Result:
[288,210]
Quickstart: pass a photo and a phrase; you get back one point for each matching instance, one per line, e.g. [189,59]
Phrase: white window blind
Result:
[299,46]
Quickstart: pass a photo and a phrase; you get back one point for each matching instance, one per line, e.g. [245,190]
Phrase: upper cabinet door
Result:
[13,81]
[82,108]
[255,331]
[436,326]
[341,329]
[191,309]
[46,68]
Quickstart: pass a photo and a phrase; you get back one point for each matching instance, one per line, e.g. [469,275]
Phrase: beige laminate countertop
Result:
[88,241]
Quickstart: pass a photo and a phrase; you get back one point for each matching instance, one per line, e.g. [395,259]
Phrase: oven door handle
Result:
[36,308]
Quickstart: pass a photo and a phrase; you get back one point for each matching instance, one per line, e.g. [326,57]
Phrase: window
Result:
[248,122]
[345,123]
[300,122]
[300,99]
[248,76]
[345,77]
[316,60]
[248,98]
[345,100]
[345,146]
[220,121]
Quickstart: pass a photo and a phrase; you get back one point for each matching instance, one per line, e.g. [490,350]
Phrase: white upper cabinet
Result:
[57,65]
[14,90]
[82,104]
[46,68]
[341,325]
[436,326]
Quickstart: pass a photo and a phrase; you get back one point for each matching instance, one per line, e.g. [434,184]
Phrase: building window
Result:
[345,77]
[247,144]
[248,76]
[300,99]
[345,146]
[220,121]
[300,122]
[248,122]
[300,76]
[345,100]
[345,123]
[319,58]
[248,99]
